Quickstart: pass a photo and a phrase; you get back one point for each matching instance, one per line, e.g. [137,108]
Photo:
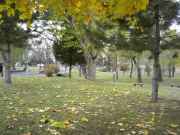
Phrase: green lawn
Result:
[59,106]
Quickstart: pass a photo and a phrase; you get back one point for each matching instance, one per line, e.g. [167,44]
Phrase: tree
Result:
[11,35]
[67,49]
[80,11]
[12,13]
[160,12]
[82,14]
[151,24]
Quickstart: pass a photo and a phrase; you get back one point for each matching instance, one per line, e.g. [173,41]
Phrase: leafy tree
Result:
[78,11]
[160,13]
[82,14]
[145,34]
[11,35]
[67,49]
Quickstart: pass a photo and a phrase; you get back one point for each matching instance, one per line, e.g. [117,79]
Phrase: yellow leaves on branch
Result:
[128,7]
[80,9]
[86,9]
[25,7]
[10,6]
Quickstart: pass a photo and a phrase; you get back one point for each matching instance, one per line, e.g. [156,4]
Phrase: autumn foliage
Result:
[82,10]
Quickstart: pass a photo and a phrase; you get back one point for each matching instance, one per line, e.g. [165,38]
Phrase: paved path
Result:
[26,74]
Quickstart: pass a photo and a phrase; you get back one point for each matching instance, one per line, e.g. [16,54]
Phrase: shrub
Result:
[50,69]
[124,67]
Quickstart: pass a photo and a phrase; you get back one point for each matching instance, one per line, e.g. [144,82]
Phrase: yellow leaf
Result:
[174,125]
[84,119]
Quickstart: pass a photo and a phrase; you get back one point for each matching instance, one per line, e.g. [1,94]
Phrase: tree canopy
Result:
[80,9]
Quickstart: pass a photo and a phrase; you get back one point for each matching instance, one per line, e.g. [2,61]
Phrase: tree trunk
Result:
[117,75]
[1,69]
[160,73]
[155,79]
[139,74]
[116,64]
[156,53]
[173,70]
[84,71]
[108,64]
[25,67]
[14,66]
[80,71]
[70,71]
[169,70]
[115,69]
[132,67]
[91,69]
[6,55]
[148,70]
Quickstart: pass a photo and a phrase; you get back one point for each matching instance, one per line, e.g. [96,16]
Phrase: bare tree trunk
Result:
[14,66]
[173,70]
[108,64]
[156,53]
[80,71]
[6,55]
[25,67]
[70,71]
[160,73]
[1,69]
[155,79]
[169,70]
[116,64]
[91,69]
[132,67]
[84,71]
[148,70]
[115,69]
[139,74]
[117,75]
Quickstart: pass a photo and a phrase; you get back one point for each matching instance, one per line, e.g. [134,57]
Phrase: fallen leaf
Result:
[171,132]
[173,125]
[84,119]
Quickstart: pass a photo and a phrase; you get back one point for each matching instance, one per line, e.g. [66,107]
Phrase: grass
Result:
[45,106]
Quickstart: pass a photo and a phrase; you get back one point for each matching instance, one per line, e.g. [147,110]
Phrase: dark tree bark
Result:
[148,70]
[108,64]
[90,58]
[91,69]
[139,74]
[80,70]
[70,70]
[169,70]
[6,55]
[173,70]
[132,67]
[84,71]
[116,64]
[115,69]
[160,73]
[156,53]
